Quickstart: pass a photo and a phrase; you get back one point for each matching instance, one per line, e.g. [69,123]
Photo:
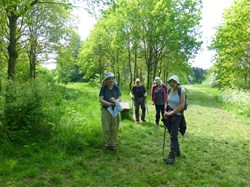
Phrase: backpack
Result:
[179,93]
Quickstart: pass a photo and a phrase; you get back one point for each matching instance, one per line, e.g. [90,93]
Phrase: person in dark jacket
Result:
[139,94]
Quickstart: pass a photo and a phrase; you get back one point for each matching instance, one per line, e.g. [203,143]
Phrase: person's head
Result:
[173,81]
[109,78]
[158,81]
[137,81]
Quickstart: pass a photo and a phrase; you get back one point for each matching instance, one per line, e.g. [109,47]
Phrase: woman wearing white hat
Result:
[174,115]
[109,95]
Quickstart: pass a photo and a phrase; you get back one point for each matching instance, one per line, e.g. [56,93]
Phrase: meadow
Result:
[214,151]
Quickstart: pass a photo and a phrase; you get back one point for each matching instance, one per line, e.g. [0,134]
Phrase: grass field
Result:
[214,151]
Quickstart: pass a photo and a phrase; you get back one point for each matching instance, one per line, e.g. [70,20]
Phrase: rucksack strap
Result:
[179,91]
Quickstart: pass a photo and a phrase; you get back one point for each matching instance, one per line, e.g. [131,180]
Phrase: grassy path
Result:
[215,149]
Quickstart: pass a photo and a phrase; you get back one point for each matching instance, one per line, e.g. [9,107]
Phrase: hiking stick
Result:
[133,114]
[164,139]
[147,109]
[117,145]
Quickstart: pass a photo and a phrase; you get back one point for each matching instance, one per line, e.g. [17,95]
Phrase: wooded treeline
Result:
[143,38]
[140,38]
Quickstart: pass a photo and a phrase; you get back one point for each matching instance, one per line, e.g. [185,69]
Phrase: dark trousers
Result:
[159,113]
[173,124]
[137,104]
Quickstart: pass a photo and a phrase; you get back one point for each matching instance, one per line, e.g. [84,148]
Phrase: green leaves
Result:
[148,35]
[232,46]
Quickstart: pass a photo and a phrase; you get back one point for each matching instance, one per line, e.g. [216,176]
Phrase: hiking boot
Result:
[143,120]
[138,122]
[169,160]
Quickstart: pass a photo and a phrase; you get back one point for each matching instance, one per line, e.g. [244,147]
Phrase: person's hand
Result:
[166,114]
[111,104]
[153,103]
[112,99]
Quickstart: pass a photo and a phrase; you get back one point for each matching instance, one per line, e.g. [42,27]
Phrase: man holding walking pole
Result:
[139,94]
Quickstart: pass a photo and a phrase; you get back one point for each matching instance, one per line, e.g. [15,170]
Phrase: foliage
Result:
[28,110]
[232,46]
[134,37]
[198,75]
[237,100]
[67,70]
[32,27]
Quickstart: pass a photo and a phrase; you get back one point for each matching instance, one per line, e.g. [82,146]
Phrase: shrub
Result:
[237,99]
[29,110]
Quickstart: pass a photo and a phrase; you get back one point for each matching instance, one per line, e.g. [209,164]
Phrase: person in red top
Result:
[159,92]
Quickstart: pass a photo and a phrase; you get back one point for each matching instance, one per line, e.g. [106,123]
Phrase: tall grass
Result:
[214,151]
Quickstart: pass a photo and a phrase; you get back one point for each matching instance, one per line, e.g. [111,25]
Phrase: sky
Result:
[211,17]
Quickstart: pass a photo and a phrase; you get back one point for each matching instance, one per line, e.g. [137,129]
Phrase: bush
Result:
[237,100]
[29,110]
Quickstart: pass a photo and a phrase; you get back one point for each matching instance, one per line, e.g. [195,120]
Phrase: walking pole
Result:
[147,109]
[164,139]
[133,115]
[117,145]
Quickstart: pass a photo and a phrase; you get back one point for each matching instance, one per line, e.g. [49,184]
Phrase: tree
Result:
[40,34]
[232,46]
[15,12]
[67,70]
[146,34]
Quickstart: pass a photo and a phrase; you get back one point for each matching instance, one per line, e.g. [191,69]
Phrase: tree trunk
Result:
[12,50]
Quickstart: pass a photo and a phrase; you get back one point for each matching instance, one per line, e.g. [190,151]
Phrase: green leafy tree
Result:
[232,46]
[143,36]
[40,35]
[67,70]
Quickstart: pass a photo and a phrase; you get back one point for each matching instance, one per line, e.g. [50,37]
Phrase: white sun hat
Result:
[109,74]
[175,78]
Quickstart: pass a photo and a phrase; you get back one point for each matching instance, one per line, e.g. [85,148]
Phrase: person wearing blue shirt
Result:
[174,116]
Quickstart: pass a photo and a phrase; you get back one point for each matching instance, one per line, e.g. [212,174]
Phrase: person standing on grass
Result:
[109,94]
[174,117]
[159,92]
[139,94]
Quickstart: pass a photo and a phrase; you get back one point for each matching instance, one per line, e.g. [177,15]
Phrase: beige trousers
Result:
[110,126]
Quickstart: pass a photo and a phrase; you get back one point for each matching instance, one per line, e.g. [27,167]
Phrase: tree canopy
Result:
[143,39]
[232,45]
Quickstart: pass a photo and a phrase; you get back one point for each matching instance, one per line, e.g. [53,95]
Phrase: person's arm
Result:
[132,94]
[153,95]
[165,96]
[145,92]
[104,102]
[179,108]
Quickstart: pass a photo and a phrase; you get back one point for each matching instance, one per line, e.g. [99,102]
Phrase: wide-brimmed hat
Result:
[137,80]
[109,74]
[157,79]
[175,78]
